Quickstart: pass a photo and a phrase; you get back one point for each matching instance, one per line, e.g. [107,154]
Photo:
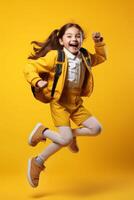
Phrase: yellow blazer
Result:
[47,65]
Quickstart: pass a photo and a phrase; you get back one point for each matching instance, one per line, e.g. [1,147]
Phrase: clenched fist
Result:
[97,37]
[41,84]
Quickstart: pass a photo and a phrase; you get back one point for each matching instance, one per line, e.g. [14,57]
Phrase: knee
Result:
[66,141]
[96,130]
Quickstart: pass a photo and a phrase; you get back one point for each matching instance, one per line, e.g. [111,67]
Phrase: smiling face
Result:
[72,40]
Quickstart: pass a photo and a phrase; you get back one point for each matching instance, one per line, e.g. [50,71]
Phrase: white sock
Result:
[49,150]
[39,160]
[54,136]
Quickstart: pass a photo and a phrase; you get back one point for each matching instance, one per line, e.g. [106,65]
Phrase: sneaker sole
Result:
[28,174]
[33,132]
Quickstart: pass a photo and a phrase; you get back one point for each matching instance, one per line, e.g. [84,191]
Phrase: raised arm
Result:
[100,51]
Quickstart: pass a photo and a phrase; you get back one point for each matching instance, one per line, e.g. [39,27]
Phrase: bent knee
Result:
[96,130]
[66,141]
[93,125]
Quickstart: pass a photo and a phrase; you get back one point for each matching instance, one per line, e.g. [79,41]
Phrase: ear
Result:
[60,41]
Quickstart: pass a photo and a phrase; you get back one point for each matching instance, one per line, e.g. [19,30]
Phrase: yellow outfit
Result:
[66,103]
[69,107]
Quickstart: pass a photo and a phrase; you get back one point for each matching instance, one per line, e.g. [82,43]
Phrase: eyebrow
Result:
[72,33]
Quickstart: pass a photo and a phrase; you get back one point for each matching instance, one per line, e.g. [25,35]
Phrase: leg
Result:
[63,138]
[40,133]
[65,135]
[92,127]
[35,165]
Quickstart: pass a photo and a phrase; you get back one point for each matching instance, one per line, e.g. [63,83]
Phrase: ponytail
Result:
[42,48]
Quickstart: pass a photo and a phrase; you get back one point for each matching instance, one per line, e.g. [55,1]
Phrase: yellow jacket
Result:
[47,64]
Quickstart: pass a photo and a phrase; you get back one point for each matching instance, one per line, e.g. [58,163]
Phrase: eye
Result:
[69,36]
[78,36]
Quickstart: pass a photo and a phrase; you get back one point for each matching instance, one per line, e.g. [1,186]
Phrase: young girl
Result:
[75,81]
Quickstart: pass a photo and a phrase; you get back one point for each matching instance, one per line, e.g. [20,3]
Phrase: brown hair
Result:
[52,42]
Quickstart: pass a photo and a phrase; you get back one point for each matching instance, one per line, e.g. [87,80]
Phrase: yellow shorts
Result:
[69,107]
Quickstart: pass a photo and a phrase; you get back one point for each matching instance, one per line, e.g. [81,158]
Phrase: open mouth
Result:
[73,45]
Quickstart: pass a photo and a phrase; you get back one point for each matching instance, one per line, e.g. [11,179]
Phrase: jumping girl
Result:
[75,81]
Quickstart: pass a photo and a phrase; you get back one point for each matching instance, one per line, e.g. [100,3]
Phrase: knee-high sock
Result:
[81,131]
[54,136]
[91,127]
[49,150]
[59,140]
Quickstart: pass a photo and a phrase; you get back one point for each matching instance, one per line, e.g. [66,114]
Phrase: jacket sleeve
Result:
[100,54]
[42,64]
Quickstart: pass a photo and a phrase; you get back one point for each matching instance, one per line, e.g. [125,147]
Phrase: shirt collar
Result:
[70,55]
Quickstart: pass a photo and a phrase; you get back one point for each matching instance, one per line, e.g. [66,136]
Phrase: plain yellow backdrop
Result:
[111,102]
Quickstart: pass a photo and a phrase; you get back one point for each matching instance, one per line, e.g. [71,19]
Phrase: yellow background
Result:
[104,167]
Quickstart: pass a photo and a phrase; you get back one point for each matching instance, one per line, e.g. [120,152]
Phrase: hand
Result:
[97,37]
[41,84]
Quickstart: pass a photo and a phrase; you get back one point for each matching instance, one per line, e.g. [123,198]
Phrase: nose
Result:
[74,38]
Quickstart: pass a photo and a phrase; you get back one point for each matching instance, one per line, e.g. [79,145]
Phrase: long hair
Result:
[52,42]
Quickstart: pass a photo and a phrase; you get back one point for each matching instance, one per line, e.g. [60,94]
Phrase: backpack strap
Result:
[58,70]
[86,55]
[59,62]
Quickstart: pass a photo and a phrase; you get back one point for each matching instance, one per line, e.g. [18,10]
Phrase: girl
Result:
[75,81]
